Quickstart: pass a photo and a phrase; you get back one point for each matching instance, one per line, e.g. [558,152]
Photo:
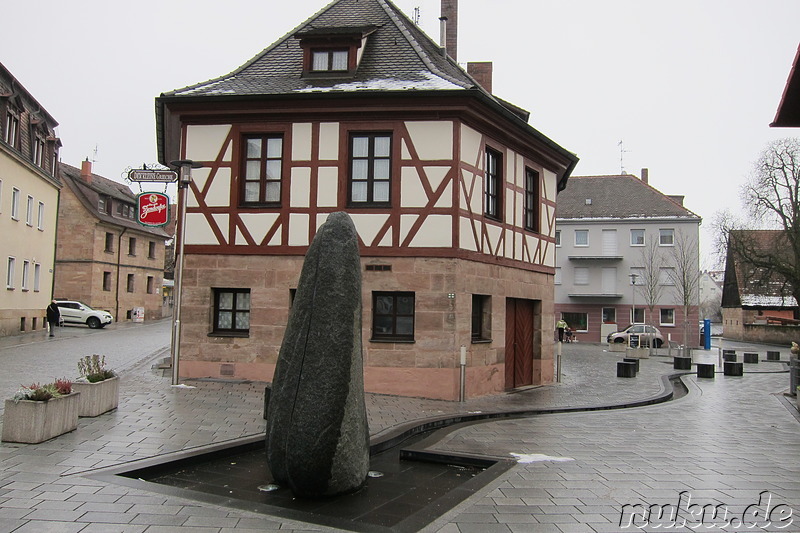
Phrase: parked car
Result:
[644,332]
[75,312]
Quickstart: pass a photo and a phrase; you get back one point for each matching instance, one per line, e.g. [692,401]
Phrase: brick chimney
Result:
[645,175]
[86,171]
[677,198]
[450,27]
[482,72]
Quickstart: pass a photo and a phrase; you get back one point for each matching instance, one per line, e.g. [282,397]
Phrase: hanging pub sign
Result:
[152,209]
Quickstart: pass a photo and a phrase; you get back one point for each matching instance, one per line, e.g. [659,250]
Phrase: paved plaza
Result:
[730,445]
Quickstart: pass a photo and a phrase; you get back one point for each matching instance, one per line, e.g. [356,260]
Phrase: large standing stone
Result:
[317,434]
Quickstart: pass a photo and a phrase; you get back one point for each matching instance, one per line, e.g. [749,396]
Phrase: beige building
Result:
[29,192]
[451,191]
[105,258]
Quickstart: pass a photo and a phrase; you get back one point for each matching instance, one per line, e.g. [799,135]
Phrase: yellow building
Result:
[29,194]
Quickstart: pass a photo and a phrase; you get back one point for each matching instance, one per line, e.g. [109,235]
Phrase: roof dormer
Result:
[333,52]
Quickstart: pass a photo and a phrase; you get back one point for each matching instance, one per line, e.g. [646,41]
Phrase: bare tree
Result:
[771,198]
[648,284]
[685,274]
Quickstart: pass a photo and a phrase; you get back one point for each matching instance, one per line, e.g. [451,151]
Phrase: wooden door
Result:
[519,342]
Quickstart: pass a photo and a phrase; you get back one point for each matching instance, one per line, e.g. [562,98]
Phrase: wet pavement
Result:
[731,445]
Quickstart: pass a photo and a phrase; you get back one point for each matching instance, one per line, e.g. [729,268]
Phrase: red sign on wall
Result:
[152,209]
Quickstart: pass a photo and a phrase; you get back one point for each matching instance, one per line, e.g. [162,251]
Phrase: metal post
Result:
[558,362]
[184,180]
[462,391]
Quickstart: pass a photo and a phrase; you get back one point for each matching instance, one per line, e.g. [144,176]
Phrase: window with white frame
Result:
[329,60]
[557,277]
[558,237]
[666,237]
[37,276]
[637,237]
[26,272]
[667,317]
[40,217]
[666,276]
[29,212]
[12,128]
[10,273]
[15,203]
[581,275]
[581,237]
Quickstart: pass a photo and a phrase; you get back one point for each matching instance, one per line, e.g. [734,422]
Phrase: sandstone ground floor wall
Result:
[83,281]
[444,291]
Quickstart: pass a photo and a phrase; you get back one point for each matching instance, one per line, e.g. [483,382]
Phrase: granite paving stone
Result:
[725,442]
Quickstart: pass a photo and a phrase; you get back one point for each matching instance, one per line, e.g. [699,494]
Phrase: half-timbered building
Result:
[452,192]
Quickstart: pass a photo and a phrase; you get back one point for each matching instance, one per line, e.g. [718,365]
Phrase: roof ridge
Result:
[397,16]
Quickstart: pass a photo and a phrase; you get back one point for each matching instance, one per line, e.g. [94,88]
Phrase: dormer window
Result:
[333,52]
[329,60]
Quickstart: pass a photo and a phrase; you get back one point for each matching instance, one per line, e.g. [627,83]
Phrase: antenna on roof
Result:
[622,152]
[416,16]
[94,154]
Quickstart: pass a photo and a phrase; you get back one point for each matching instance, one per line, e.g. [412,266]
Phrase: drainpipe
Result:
[119,259]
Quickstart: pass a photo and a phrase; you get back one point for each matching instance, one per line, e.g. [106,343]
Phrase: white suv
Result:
[75,312]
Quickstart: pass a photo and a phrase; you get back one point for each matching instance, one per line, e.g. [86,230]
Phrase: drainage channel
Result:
[408,487]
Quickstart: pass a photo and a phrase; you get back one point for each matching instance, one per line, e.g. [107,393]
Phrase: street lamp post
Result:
[186,166]
[633,305]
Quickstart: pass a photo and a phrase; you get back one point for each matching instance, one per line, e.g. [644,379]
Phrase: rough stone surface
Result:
[317,434]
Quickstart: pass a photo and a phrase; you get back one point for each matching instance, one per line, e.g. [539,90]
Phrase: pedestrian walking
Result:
[53,317]
[561,325]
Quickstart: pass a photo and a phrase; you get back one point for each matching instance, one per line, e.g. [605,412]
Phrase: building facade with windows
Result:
[105,258]
[29,193]
[452,193]
[613,233]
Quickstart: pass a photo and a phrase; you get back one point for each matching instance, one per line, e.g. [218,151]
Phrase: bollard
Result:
[706,370]
[682,363]
[632,360]
[732,368]
[626,370]
[773,355]
[751,358]
[729,357]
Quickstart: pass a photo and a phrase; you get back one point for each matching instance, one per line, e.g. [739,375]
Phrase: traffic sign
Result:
[157,176]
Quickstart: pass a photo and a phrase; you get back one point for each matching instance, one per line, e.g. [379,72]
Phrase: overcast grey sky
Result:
[689,86]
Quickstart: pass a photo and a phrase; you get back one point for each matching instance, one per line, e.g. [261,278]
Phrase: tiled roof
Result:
[88,194]
[398,56]
[616,197]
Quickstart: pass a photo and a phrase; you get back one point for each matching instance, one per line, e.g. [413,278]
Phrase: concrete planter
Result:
[638,353]
[617,347]
[97,398]
[32,422]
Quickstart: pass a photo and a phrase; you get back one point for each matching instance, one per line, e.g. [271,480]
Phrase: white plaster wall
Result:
[549,185]
[298,229]
[368,226]
[219,193]
[466,235]
[411,191]
[198,231]
[199,177]
[301,142]
[300,191]
[329,141]
[204,143]
[436,231]
[432,139]
[258,224]
[471,151]
[327,186]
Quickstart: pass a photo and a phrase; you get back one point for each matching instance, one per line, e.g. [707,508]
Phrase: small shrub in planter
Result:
[38,413]
[99,386]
